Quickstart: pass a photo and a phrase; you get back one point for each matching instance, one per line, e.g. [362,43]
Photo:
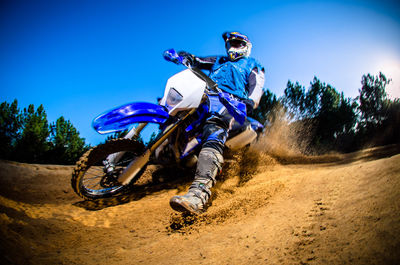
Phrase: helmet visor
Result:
[234,35]
[235,43]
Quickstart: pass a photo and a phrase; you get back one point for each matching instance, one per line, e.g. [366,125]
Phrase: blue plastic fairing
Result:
[125,116]
[236,108]
[257,126]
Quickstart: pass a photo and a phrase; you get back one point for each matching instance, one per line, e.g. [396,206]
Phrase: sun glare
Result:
[391,69]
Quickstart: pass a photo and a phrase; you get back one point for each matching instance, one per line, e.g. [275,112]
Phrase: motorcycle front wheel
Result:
[91,181]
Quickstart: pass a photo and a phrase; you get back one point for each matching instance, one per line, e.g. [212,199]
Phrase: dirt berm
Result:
[337,209]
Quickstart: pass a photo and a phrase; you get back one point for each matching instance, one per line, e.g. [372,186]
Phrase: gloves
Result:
[187,58]
[171,56]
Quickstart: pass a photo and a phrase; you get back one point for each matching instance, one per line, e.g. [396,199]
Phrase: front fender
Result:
[122,118]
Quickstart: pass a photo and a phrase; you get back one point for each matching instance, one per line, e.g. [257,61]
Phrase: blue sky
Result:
[80,58]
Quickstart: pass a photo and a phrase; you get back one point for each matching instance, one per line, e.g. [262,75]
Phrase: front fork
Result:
[111,160]
[139,162]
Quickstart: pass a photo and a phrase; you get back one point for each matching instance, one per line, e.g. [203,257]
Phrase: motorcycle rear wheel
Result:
[89,179]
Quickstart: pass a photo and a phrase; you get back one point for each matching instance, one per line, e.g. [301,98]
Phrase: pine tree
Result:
[328,115]
[33,144]
[10,128]
[379,116]
[66,145]
[373,101]
[267,102]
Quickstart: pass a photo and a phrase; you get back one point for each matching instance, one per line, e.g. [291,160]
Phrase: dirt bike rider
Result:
[242,77]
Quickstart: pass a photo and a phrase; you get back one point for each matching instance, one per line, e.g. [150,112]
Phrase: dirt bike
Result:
[112,168]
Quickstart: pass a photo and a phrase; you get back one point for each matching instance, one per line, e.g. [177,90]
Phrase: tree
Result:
[330,115]
[336,118]
[267,102]
[373,101]
[27,137]
[391,125]
[10,127]
[294,100]
[379,116]
[116,135]
[33,144]
[66,145]
[313,100]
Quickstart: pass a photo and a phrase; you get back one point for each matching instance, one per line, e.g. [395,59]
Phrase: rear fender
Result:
[122,118]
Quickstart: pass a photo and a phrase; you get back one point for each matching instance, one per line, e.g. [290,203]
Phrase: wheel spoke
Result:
[94,185]
[89,178]
[95,176]
[97,169]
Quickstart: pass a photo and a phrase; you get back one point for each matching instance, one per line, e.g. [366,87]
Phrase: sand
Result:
[338,209]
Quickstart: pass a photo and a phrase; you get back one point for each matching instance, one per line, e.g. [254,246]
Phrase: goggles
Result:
[235,43]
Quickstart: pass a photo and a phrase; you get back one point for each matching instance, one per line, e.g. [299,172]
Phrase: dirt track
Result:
[343,211]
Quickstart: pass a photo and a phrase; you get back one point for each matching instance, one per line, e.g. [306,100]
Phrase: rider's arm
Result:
[204,63]
[256,84]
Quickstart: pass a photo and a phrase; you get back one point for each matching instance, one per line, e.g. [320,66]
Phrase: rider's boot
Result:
[195,200]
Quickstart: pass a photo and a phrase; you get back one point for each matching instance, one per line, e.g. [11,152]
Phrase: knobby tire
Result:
[95,155]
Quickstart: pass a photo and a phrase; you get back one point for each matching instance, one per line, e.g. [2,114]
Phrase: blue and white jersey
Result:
[243,78]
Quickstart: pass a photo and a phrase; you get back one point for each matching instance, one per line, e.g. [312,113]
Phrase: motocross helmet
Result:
[237,45]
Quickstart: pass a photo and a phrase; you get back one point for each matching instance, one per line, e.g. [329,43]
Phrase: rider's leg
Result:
[208,165]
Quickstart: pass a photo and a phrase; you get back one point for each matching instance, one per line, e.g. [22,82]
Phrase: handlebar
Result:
[172,56]
[236,108]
